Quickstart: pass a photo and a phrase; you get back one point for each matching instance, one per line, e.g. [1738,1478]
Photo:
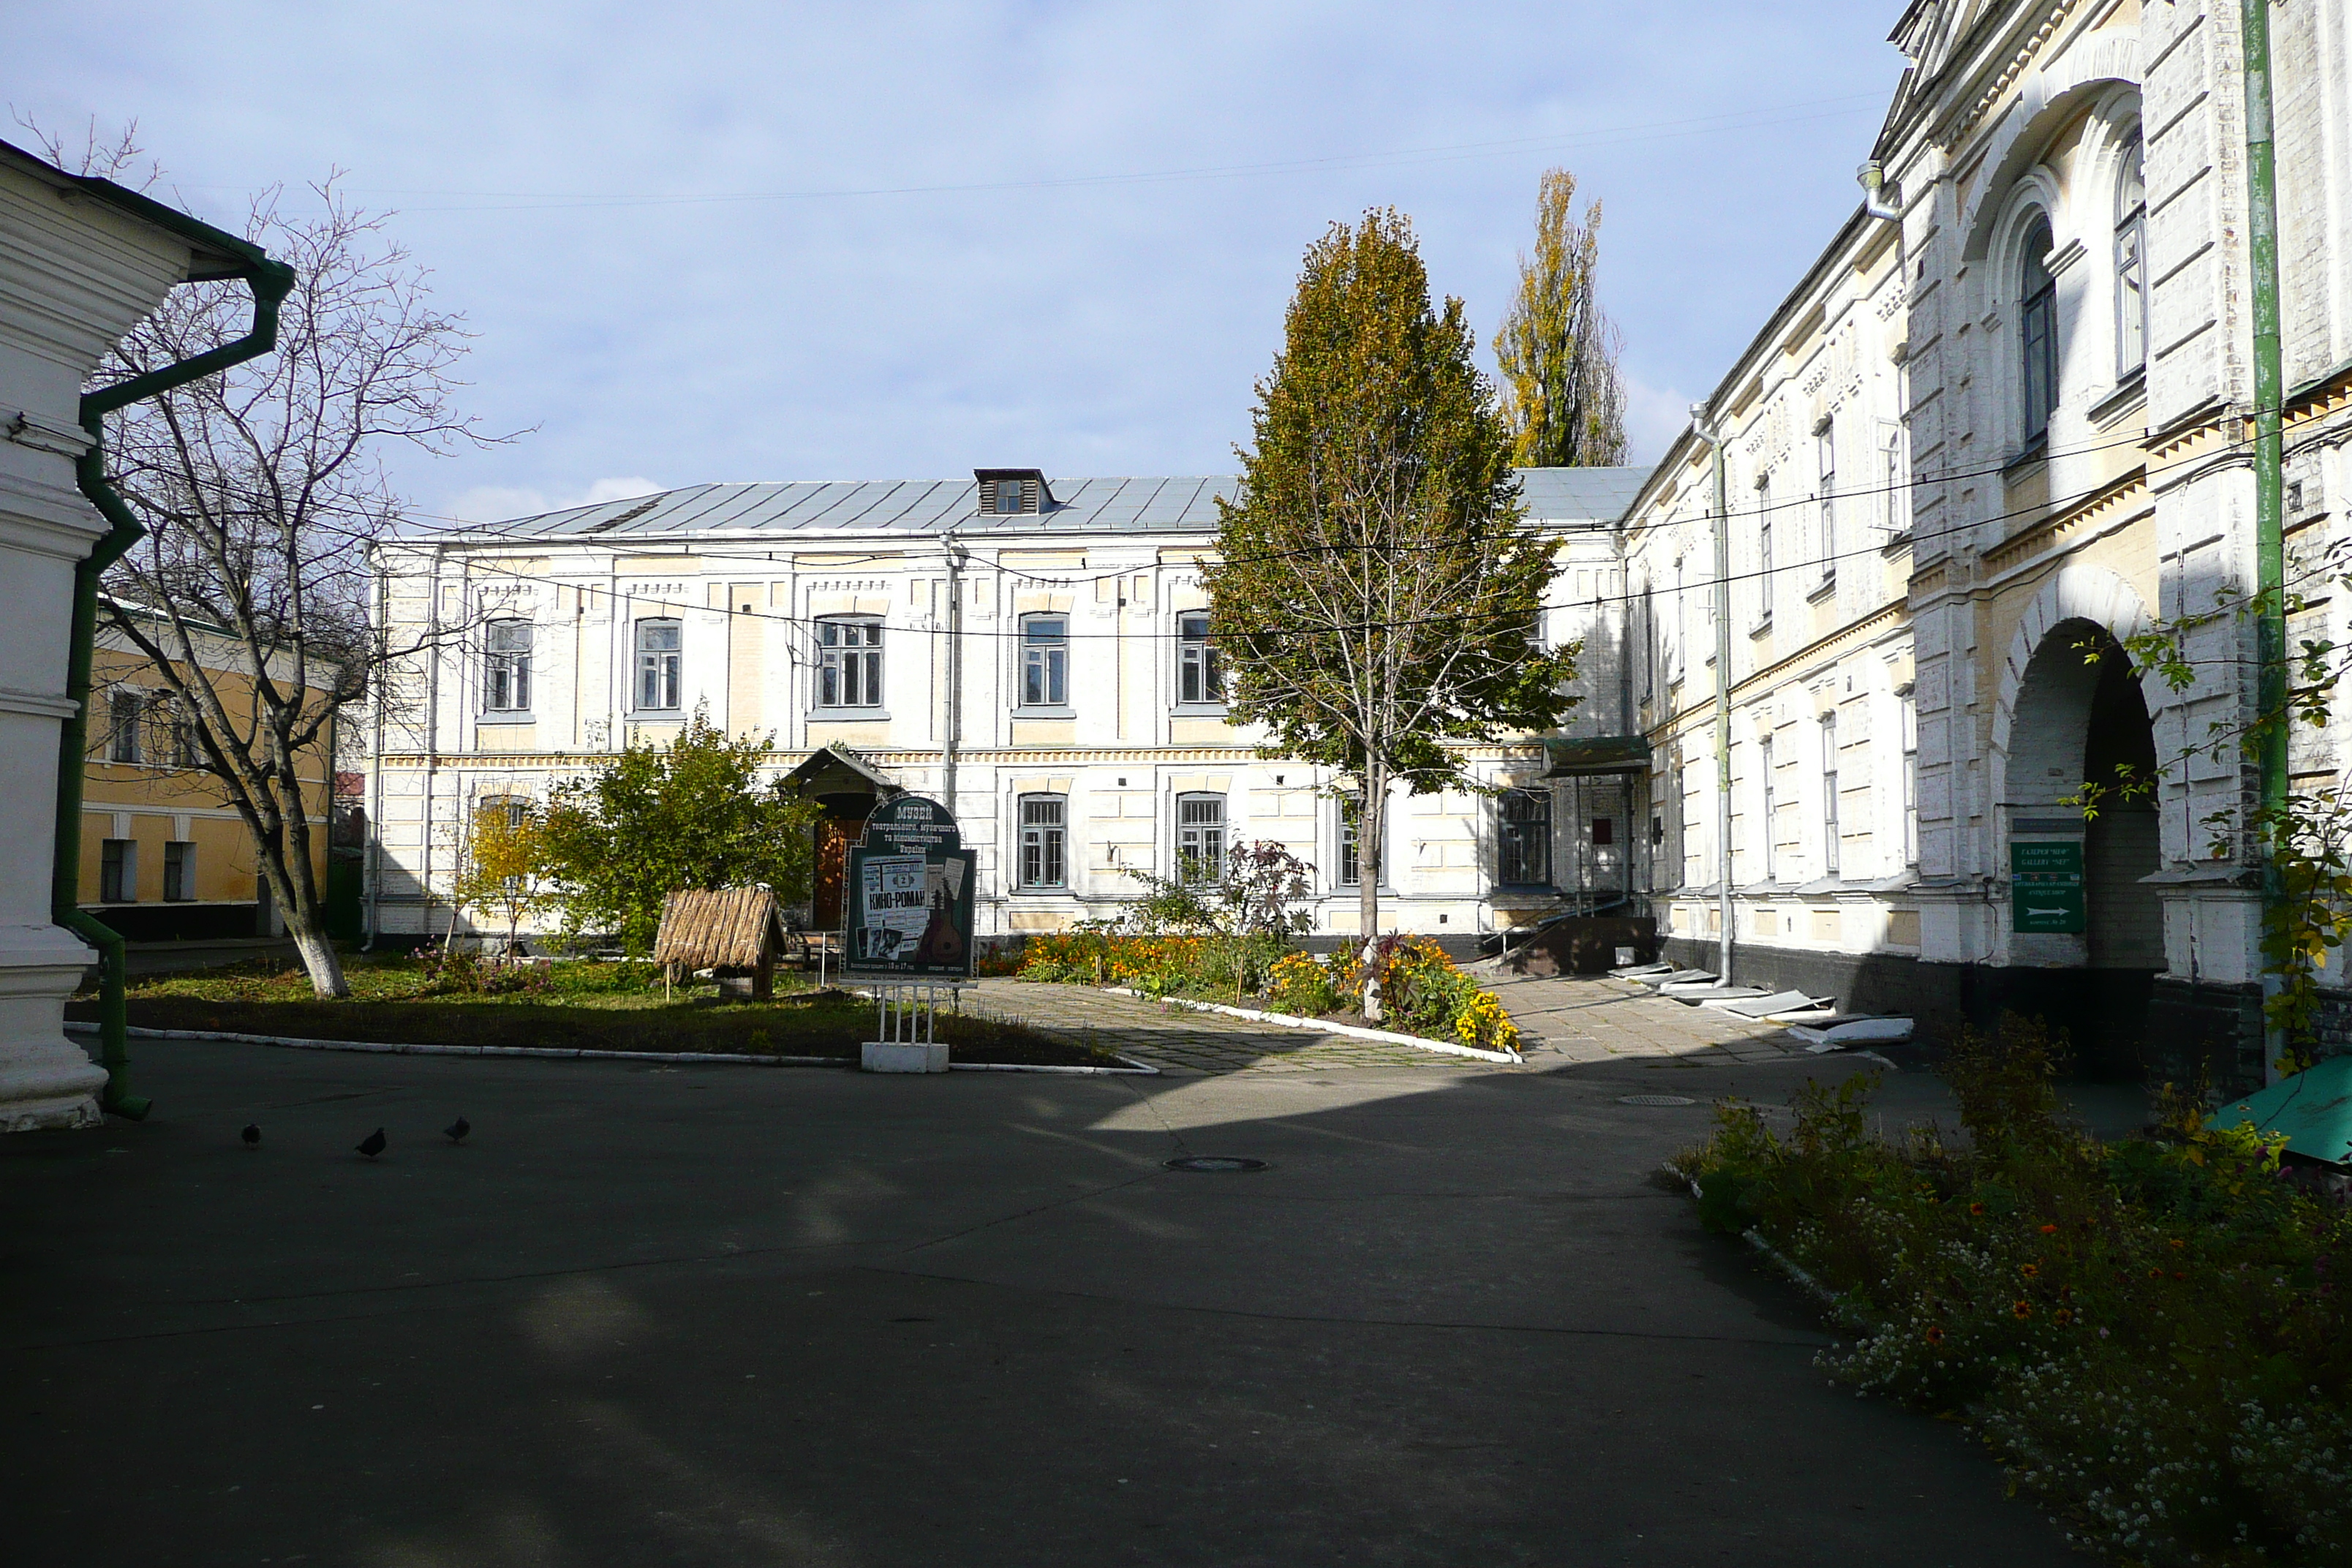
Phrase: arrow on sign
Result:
[2032,910]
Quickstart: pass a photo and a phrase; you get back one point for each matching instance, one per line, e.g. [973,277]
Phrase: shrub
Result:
[2148,1333]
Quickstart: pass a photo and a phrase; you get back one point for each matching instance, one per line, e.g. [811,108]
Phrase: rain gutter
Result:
[271,282]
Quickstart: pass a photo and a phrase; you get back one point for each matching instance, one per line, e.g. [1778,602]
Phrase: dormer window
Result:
[1013,492]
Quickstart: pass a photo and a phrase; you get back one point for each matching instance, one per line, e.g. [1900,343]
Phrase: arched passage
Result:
[2081,718]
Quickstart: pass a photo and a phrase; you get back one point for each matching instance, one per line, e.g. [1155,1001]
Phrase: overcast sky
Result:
[786,241]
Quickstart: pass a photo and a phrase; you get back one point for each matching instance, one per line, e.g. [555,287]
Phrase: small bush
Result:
[2149,1332]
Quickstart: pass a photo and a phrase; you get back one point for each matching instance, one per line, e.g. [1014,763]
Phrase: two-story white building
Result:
[1033,651]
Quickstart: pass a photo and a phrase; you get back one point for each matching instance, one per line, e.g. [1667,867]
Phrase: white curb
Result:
[1292,1021]
[379,1047]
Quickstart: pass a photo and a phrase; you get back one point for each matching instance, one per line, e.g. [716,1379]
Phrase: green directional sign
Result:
[2045,887]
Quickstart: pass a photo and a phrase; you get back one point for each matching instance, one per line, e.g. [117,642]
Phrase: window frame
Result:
[180,871]
[1515,845]
[843,665]
[2037,332]
[1049,655]
[126,726]
[1200,666]
[507,671]
[2132,301]
[1825,441]
[1195,870]
[1347,860]
[118,870]
[654,664]
[1043,843]
[1910,740]
[1832,856]
[1771,826]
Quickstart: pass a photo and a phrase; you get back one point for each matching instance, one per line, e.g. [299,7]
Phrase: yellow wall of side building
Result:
[159,805]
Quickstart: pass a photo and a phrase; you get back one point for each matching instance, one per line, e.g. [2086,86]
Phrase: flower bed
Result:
[2148,1333]
[1425,994]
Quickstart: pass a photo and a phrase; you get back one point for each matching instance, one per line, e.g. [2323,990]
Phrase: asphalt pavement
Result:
[730,1315]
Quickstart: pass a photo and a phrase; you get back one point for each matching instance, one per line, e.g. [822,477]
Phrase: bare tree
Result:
[261,491]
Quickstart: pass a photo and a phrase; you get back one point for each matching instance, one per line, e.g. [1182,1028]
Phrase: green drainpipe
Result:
[271,282]
[2270,549]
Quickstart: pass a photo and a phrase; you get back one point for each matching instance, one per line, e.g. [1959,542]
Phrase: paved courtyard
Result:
[752,1316]
[1561,1021]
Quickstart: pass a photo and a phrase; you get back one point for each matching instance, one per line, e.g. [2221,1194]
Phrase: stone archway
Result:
[2078,716]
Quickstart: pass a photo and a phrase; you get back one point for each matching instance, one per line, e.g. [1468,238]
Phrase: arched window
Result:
[2131,265]
[2038,330]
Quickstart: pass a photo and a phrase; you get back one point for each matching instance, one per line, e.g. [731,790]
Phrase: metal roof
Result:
[1183,505]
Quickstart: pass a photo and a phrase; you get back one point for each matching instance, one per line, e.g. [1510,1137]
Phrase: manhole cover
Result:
[1655,1099]
[1211,1163]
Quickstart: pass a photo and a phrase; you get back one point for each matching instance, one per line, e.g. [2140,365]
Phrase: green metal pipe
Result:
[2270,546]
[271,282]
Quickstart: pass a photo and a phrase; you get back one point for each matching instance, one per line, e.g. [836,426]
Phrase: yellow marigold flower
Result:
[2020,1309]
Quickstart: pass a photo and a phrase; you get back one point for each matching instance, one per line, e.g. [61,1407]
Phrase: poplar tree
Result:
[1562,396]
[1377,592]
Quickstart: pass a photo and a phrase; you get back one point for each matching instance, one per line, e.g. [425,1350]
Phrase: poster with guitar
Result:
[910,887]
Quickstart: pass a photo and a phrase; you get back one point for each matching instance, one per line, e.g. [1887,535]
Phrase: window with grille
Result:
[1829,796]
[1007,498]
[849,664]
[1523,838]
[506,667]
[179,871]
[2038,332]
[118,871]
[1200,673]
[1200,837]
[659,652]
[1045,662]
[2131,265]
[1045,840]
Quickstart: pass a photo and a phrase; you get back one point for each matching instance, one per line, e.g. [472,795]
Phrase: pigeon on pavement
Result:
[252,1135]
[372,1144]
[456,1131]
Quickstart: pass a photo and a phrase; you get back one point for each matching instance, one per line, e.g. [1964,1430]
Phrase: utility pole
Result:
[951,732]
[1705,429]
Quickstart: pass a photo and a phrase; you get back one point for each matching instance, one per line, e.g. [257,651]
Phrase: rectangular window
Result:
[1045,661]
[1764,547]
[179,871]
[1045,830]
[1351,859]
[849,664]
[1771,828]
[1829,796]
[1523,838]
[1200,673]
[658,653]
[118,871]
[1827,443]
[506,667]
[1910,783]
[126,726]
[1200,837]
[1895,503]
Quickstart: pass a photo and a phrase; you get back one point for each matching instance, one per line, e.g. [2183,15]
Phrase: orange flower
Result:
[2156,1273]
[1935,1336]
[1976,1208]
[2063,1316]
[2028,1269]
[2049,1230]
[2180,1274]
[2021,1311]
[2177,1244]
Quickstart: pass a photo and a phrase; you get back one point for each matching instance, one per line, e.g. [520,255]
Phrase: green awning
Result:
[2313,1109]
[1597,754]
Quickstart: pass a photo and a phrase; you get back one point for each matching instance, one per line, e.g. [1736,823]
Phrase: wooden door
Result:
[834,834]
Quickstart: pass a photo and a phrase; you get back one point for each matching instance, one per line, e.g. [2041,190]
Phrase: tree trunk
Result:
[286,860]
[1370,851]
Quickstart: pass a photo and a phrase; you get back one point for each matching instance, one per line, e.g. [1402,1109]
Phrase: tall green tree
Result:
[693,813]
[1377,590]
[1562,395]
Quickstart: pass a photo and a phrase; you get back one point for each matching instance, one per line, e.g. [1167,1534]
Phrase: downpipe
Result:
[271,282]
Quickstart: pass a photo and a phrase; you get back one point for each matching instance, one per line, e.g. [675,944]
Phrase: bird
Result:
[372,1144]
[252,1135]
[456,1131]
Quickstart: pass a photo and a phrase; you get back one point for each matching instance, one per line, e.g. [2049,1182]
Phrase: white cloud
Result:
[499,503]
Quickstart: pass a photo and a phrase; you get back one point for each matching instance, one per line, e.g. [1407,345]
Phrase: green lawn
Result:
[591,1005]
